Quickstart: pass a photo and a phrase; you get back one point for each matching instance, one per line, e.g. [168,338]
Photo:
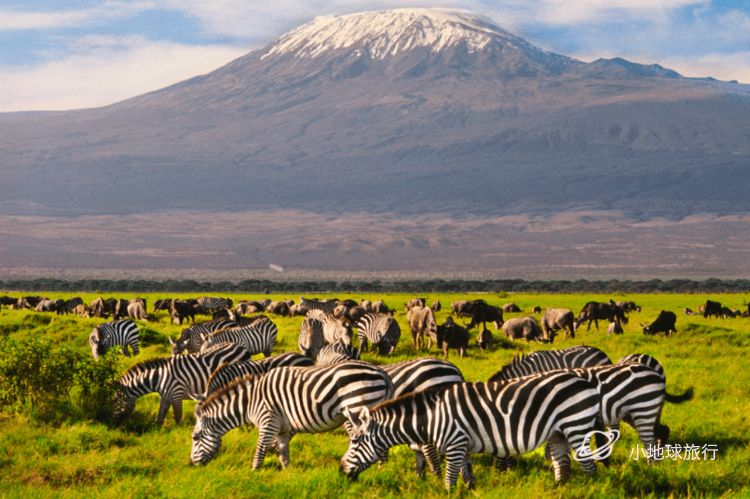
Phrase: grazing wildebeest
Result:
[102,308]
[28,302]
[46,306]
[415,302]
[181,309]
[82,311]
[628,306]
[536,310]
[510,308]
[486,313]
[422,323]
[8,300]
[712,308]
[137,310]
[252,307]
[121,308]
[689,311]
[366,304]
[523,327]
[485,339]
[162,304]
[70,305]
[452,335]
[664,323]
[728,312]
[594,311]
[614,327]
[380,308]
[555,319]
[279,308]
[436,306]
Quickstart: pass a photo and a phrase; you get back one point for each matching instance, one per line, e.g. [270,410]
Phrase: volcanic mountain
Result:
[407,111]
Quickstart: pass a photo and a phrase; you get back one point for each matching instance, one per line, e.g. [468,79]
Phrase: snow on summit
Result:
[387,33]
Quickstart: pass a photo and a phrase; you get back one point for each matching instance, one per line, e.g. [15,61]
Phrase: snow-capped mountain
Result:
[407,111]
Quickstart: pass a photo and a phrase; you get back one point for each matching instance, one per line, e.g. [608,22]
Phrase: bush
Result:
[55,384]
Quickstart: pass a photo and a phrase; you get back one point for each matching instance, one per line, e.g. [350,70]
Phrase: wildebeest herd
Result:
[555,397]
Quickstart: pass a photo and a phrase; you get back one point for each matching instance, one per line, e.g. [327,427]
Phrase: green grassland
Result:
[138,459]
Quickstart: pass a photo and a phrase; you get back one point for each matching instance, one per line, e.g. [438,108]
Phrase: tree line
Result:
[405,286]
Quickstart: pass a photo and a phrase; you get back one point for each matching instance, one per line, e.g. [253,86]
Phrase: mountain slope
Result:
[405,111]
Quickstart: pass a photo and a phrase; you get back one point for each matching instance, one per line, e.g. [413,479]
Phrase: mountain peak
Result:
[379,34]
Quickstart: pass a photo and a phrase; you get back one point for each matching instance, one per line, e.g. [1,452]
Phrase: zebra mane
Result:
[148,364]
[429,394]
[240,380]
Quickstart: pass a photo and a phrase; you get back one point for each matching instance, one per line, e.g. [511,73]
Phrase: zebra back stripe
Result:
[257,338]
[549,360]
[227,373]
[192,337]
[421,374]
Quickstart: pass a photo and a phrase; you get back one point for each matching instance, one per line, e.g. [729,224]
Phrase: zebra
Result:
[283,402]
[174,378]
[325,306]
[632,392]
[548,360]
[335,353]
[122,332]
[212,303]
[192,337]
[335,329]
[226,373]
[311,339]
[380,330]
[258,338]
[647,360]
[503,418]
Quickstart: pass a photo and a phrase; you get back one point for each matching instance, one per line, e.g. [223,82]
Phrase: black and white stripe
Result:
[503,419]
[549,360]
[311,339]
[257,338]
[335,353]
[646,360]
[228,373]
[105,336]
[325,306]
[192,337]
[213,303]
[174,379]
[286,401]
[381,331]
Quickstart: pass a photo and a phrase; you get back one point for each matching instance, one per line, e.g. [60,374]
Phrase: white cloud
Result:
[12,19]
[106,70]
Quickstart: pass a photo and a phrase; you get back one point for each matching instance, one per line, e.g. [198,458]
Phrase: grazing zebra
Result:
[325,306]
[503,418]
[174,379]
[335,353]
[311,339]
[227,373]
[335,329]
[549,360]
[258,338]
[212,303]
[192,337]
[283,402]
[104,336]
[646,360]
[632,392]
[380,330]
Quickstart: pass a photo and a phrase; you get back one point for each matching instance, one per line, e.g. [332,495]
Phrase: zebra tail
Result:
[677,399]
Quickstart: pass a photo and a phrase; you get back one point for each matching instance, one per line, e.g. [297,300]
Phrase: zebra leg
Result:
[467,473]
[433,458]
[164,404]
[266,435]
[177,411]
[455,457]
[559,451]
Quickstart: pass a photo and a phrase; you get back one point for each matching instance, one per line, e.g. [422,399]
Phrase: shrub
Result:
[55,384]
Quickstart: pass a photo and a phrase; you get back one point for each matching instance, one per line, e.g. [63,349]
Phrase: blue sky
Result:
[63,55]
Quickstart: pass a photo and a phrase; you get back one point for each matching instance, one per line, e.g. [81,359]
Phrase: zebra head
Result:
[364,448]
[178,346]
[96,343]
[206,441]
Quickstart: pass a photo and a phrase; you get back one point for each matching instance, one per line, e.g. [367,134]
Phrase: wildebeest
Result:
[162,304]
[510,308]
[422,323]
[70,305]
[8,300]
[250,307]
[712,308]
[486,313]
[451,335]
[380,308]
[137,310]
[689,311]
[46,306]
[121,308]
[728,312]
[594,311]
[415,302]
[536,310]
[614,327]
[436,306]
[102,308]
[523,327]
[664,323]
[555,319]
[82,311]
[181,309]
[28,302]
[485,339]
[279,308]
[628,306]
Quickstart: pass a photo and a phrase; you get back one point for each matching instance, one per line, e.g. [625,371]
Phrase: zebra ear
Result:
[358,417]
